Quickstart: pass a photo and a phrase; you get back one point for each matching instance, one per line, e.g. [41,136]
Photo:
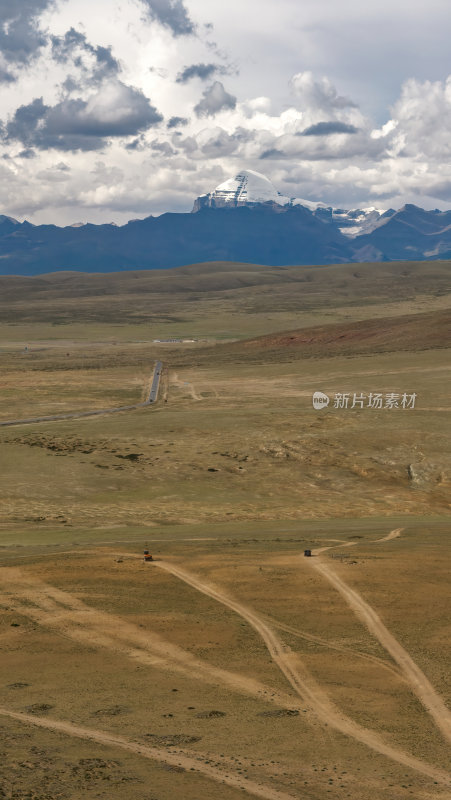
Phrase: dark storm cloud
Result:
[135,144]
[27,154]
[71,84]
[162,147]
[244,135]
[219,144]
[188,144]
[177,122]
[25,121]
[73,46]
[63,46]
[214,99]
[21,37]
[172,14]
[202,71]
[5,76]
[117,110]
[328,128]
[319,93]
[272,153]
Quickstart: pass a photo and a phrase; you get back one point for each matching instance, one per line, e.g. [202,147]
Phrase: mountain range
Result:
[244,219]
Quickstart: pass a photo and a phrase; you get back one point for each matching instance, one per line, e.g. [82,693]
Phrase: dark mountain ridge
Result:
[257,235]
[265,233]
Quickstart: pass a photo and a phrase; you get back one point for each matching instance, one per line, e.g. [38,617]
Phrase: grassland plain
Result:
[230,662]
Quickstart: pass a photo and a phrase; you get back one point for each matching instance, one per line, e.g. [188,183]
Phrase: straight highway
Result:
[153,394]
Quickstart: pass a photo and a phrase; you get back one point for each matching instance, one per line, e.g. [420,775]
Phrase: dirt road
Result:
[392,535]
[61,611]
[345,543]
[309,637]
[318,550]
[186,386]
[417,680]
[302,681]
[68,615]
[174,757]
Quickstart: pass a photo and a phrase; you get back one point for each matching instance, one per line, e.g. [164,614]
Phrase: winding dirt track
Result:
[392,535]
[417,680]
[303,683]
[309,637]
[70,617]
[187,386]
[174,757]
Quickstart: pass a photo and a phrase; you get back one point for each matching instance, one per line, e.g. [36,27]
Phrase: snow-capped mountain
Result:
[246,220]
[246,188]
[250,188]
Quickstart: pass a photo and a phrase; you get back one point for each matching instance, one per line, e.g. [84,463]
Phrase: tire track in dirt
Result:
[412,673]
[416,679]
[185,385]
[318,550]
[73,619]
[392,535]
[303,682]
[379,662]
[175,758]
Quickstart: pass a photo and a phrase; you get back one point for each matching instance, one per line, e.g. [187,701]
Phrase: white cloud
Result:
[389,127]
[319,93]
[308,100]
[423,119]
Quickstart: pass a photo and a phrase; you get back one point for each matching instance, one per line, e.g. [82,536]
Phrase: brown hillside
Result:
[415,332]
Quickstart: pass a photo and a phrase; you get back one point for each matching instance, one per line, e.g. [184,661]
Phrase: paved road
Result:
[153,394]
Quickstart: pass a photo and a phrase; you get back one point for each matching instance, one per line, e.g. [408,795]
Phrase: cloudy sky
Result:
[115,109]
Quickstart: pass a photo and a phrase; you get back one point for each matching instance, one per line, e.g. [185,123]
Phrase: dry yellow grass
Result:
[125,649]
[114,671]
